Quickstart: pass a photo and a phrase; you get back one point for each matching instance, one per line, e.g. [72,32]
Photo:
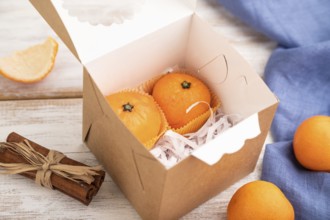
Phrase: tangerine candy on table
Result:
[32,64]
[311,143]
[176,92]
[259,200]
[138,112]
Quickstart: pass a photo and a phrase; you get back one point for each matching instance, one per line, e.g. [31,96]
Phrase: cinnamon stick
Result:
[81,191]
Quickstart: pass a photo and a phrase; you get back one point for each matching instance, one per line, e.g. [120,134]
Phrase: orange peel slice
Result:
[32,64]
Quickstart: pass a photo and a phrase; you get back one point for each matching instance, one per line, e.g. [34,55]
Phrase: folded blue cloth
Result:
[300,77]
[298,72]
[290,23]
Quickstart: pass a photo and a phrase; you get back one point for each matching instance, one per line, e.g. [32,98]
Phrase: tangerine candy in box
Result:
[187,101]
[140,114]
[162,34]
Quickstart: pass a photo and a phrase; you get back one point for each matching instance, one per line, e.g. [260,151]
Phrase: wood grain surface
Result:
[50,113]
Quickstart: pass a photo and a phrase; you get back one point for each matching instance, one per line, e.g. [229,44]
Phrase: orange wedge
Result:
[32,64]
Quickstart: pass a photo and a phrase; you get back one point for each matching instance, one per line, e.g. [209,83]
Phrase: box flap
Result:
[88,42]
[48,12]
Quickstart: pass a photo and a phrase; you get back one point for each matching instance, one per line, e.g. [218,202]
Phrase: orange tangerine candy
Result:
[176,92]
[259,200]
[138,112]
[311,143]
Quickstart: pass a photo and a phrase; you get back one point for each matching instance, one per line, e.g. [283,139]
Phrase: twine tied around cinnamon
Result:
[45,166]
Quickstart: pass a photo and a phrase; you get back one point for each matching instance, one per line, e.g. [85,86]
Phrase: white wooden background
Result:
[50,113]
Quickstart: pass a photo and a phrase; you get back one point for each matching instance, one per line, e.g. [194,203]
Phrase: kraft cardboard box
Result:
[164,33]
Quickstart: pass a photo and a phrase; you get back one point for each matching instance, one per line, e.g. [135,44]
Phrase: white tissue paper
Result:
[172,147]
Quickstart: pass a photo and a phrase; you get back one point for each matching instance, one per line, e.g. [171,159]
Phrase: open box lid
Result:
[88,42]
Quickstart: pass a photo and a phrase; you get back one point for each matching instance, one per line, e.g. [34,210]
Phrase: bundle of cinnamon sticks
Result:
[81,191]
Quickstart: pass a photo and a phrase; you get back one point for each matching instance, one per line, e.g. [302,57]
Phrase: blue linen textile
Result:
[298,72]
[291,23]
[300,77]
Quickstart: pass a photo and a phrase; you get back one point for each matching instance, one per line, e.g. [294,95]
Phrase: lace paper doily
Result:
[104,12]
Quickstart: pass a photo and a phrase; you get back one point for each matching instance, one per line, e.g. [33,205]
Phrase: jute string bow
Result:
[45,166]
